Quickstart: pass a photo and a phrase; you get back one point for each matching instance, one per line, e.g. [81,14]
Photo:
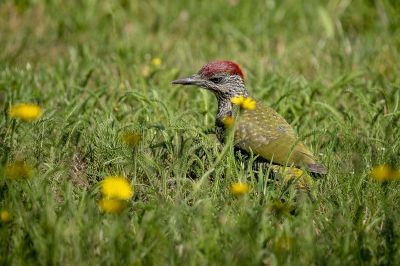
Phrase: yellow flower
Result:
[303,179]
[297,172]
[156,61]
[25,111]
[116,187]
[382,173]
[249,104]
[18,170]
[112,205]
[239,189]
[287,171]
[5,216]
[238,100]
[245,103]
[131,138]
[228,121]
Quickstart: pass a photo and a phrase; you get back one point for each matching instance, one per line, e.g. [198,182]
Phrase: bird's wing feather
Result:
[266,133]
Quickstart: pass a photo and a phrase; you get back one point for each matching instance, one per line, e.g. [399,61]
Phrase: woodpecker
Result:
[259,130]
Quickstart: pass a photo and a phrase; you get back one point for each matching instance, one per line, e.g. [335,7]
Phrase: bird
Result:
[260,130]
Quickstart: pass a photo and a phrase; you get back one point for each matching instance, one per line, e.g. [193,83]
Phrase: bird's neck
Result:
[225,106]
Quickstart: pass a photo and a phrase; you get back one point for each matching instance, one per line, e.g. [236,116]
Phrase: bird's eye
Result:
[216,79]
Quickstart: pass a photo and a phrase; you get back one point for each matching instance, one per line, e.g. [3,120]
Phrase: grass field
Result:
[99,69]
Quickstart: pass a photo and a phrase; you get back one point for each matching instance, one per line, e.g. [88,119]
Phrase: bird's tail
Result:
[317,169]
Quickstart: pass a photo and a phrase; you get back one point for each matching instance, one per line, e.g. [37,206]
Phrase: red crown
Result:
[220,66]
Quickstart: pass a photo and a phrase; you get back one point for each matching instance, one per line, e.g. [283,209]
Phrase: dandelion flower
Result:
[297,172]
[239,189]
[382,173]
[249,104]
[238,100]
[228,121]
[25,111]
[290,173]
[244,103]
[131,138]
[156,61]
[112,205]
[116,187]
[18,170]
[5,216]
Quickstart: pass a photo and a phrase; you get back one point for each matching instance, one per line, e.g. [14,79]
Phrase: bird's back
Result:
[267,134]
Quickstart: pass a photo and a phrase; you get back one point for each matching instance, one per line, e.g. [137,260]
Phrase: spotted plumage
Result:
[260,131]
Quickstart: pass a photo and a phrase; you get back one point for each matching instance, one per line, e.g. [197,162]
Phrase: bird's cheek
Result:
[209,87]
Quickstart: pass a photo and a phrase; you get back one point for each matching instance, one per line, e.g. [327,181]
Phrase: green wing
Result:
[267,134]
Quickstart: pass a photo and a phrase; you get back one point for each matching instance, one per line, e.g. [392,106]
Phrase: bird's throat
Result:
[224,107]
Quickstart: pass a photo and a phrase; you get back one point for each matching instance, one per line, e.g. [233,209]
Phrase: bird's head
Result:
[223,78]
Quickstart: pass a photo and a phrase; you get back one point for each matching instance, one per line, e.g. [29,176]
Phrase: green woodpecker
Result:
[259,129]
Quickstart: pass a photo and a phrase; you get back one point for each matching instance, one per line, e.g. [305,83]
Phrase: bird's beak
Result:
[192,80]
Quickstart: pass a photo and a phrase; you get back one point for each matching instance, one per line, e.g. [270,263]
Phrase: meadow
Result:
[100,70]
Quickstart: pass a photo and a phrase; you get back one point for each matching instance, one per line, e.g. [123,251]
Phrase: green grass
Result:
[331,69]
